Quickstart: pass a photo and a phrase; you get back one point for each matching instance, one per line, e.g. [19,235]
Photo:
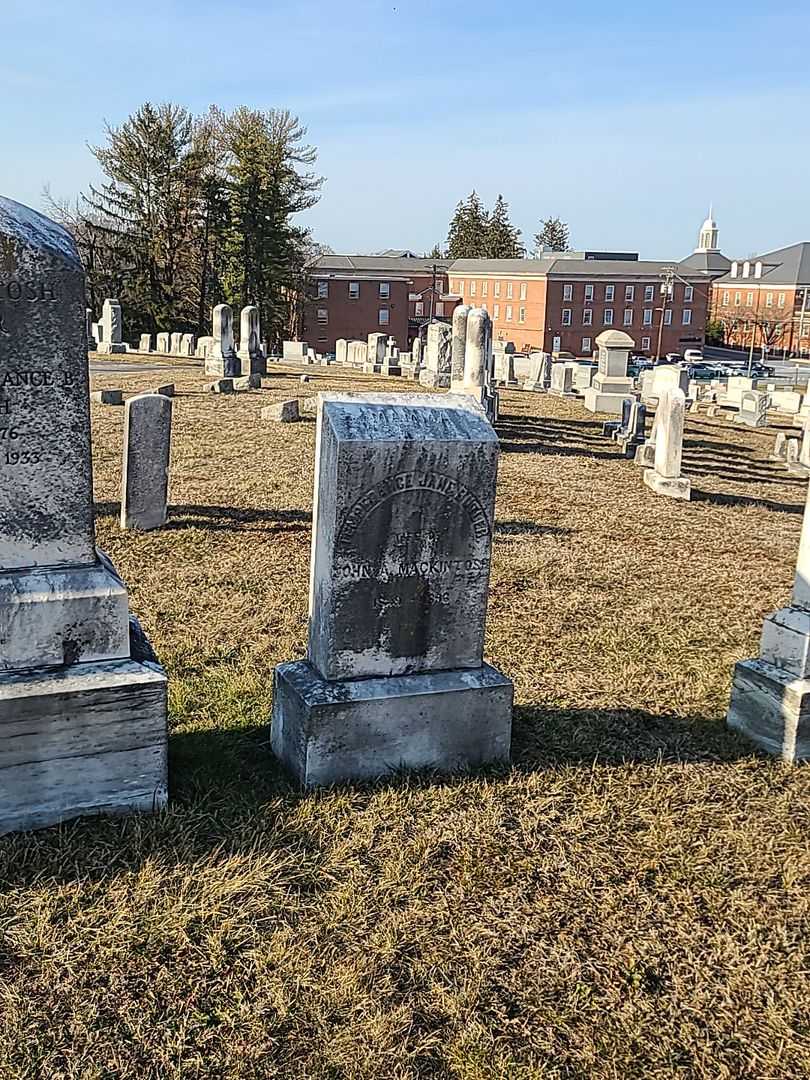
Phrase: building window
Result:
[588,292]
[686,319]
[383,316]
[472,288]
[630,293]
[608,318]
[668,317]
[485,288]
[440,307]
[323,290]
[354,290]
[497,289]
[769,299]
[780,300]
[419,308]
[649,293]
[568,292]
[496,311]
[736,299]
[566,316]
[323,315]
[460,289]
[587,317]
[725,299]
[609,291]
[750,299]
[628,316]
[522,314]
[509,290]
[508,312]
[586,344]
[645,343]
[385,290]
[523,290]
[688,293]
[648,316]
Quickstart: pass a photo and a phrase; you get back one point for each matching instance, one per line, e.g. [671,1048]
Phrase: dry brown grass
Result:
[629,900]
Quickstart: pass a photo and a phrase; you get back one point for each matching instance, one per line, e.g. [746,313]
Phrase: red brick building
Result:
[556,303]
[352,296]
[765,301]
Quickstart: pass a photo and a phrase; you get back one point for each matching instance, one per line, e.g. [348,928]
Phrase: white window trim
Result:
[566,316]
[568,292]
[605,320]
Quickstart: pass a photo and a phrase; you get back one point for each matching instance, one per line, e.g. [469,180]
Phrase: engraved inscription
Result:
[16,292]
[16,446]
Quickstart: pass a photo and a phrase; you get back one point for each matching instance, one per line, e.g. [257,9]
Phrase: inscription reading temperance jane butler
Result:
[16,447]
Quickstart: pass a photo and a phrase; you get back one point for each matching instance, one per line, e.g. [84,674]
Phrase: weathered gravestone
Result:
[145,343]
[611,384]
[82,718]
[539,378]
[458,346]
[175,343]
[341,350]
[111,328]
[770,696]
[754,407]
[438,356]
[163,342]
[187,345]
[477,354]
[221,358]
[145,472]
[294,350]
[562,380]
[403,517]
[666,478]
[251,357]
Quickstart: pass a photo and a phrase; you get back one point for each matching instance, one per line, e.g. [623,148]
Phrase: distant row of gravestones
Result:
[402,538]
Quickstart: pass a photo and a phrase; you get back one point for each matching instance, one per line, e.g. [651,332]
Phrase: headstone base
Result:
[536,387]
[771,708]
[674,487]
[87,739]
[596,401]
[786,641]
[57,616]
[434,379]
[252,365]
[109,347]
[223,367]
[359,729]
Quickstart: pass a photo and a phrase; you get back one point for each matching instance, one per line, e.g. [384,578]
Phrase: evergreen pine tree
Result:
[502,238]
[553,236]
[467,235]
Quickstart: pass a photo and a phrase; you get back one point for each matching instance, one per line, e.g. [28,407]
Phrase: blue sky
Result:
[624,119]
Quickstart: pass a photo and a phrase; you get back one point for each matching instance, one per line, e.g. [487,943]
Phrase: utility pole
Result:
[668,275]
[433,294]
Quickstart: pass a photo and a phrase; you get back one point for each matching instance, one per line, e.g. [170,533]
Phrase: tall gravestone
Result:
[402,540]
[458,347]
[416,352]
[92,344]
[145,467]
[251,357]
[145,343]
[163,342]
[111,328]
[477,368]
[666,477]
[82,715]
[770,696]
[341,350]
[221,358]
[611,384]
[175,342]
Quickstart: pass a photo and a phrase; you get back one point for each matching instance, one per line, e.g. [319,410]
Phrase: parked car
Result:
[693,356]
[706,371]
[671,358]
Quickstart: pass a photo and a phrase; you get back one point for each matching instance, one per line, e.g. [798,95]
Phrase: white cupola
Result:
[708,235]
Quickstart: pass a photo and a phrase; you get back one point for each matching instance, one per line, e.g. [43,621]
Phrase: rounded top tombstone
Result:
[46,486]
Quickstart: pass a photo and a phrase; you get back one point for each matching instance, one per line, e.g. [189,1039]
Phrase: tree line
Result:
[195,211]
[476,233]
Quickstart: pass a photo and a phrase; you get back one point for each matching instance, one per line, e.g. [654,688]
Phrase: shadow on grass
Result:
[529,528]
[228,518]
[720,498]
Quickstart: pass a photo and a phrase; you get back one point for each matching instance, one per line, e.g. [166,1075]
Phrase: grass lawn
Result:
[630,899]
